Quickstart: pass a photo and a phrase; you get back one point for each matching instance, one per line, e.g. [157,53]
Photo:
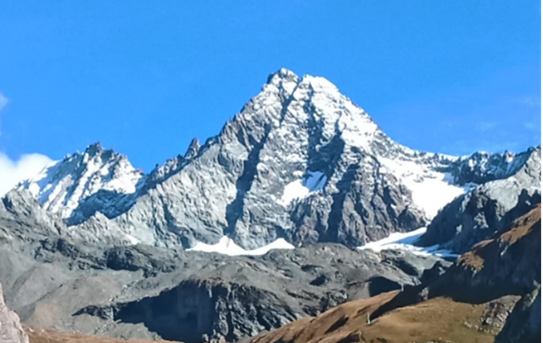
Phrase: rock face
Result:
[508,262]
[489,207]
[11,330]
[300,161]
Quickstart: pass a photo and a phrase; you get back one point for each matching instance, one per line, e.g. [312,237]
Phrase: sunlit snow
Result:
[62,185]
[226,246]
[299,189]
[431,190]
[294,190]
[405,241]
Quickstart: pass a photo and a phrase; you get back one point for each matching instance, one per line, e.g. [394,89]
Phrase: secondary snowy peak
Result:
[482,167]
[61,187]
[492,205]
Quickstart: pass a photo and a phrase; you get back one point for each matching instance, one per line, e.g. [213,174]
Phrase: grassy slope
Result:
[437,320]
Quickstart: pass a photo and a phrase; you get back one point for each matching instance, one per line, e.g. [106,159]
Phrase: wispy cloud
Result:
[3,102]
[12,172]
[529,101]
[484,126]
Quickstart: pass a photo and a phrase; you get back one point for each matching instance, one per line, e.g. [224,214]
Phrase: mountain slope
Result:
[50,336]
[491,294]
[62,187]
[489,207]
[55,279]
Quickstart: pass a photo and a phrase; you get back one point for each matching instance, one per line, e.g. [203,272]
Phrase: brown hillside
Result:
[50,336]
[506,267]
[525,227]
[435,320]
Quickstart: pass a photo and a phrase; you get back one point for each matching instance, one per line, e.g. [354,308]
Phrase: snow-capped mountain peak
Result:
[300,162]
[63,185]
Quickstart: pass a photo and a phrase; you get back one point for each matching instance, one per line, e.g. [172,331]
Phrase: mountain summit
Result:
[300,162]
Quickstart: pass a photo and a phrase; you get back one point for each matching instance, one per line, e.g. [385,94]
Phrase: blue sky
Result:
[145,77]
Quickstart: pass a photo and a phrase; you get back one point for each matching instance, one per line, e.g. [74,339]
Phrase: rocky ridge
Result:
[489,207]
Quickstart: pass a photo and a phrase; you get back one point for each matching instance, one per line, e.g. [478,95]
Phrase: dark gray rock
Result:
[487,209]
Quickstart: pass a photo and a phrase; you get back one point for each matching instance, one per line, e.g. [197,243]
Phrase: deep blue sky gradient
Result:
[145,77]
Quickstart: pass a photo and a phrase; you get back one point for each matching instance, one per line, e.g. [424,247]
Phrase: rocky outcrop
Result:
[507,263]
[22,218]
[488,208]
[11,330]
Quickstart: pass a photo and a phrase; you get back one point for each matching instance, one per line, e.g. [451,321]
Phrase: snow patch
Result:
[431,190]
[300,189]
[226,246]
[406,241]
[292,191]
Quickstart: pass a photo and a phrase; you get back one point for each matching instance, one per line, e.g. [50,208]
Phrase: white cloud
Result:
[12,172]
